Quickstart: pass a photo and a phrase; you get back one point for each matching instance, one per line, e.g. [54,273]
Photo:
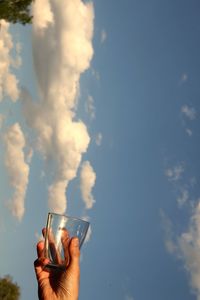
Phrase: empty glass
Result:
[58,233]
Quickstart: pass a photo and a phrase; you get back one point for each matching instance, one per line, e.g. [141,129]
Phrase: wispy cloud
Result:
[188,112]
[183,78]
[186,246]
[103,36]
[128,297]
[169,238]
[95,74]
[175,173]
[88,178]
[8,81]
[181,184]
[188,131]
[17,168]
[89,107]
[183,198]
[98,139]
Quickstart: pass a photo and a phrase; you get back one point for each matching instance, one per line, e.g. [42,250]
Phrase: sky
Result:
[99,119]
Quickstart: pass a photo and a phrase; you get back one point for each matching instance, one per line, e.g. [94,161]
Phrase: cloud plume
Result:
[88,178]
[17,168]
[8,81]
[62,51]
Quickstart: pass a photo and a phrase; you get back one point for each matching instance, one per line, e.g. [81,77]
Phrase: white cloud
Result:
[62,51]
[103,36]
[17,168]
[188,131]
[8,81]
[169,239]
[189,243]
[89,107]
[88,178]
[174,173]
[57,198]
[189,112]
[183,198]
[98,139]
[42,13]
[193,181]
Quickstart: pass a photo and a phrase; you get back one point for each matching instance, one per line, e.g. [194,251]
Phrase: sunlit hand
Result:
[56,284]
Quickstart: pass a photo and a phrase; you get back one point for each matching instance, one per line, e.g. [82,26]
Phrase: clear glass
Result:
[58,233]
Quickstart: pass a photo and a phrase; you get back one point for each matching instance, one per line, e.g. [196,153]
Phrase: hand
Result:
[56,284]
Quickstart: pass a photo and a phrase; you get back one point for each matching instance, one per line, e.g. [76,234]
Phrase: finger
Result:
[73,270]
[65,239]
[74,254]
[40,249]
[44,232]
[39,265]
[40,262]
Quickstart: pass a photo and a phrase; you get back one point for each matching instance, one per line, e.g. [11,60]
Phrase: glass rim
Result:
[68,217]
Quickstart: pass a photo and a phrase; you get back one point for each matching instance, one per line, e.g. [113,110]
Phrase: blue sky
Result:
[139,99]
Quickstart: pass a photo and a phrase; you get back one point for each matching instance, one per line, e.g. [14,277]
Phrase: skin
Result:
[54,284]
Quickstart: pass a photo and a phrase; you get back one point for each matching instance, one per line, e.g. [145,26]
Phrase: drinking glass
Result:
[58,233]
